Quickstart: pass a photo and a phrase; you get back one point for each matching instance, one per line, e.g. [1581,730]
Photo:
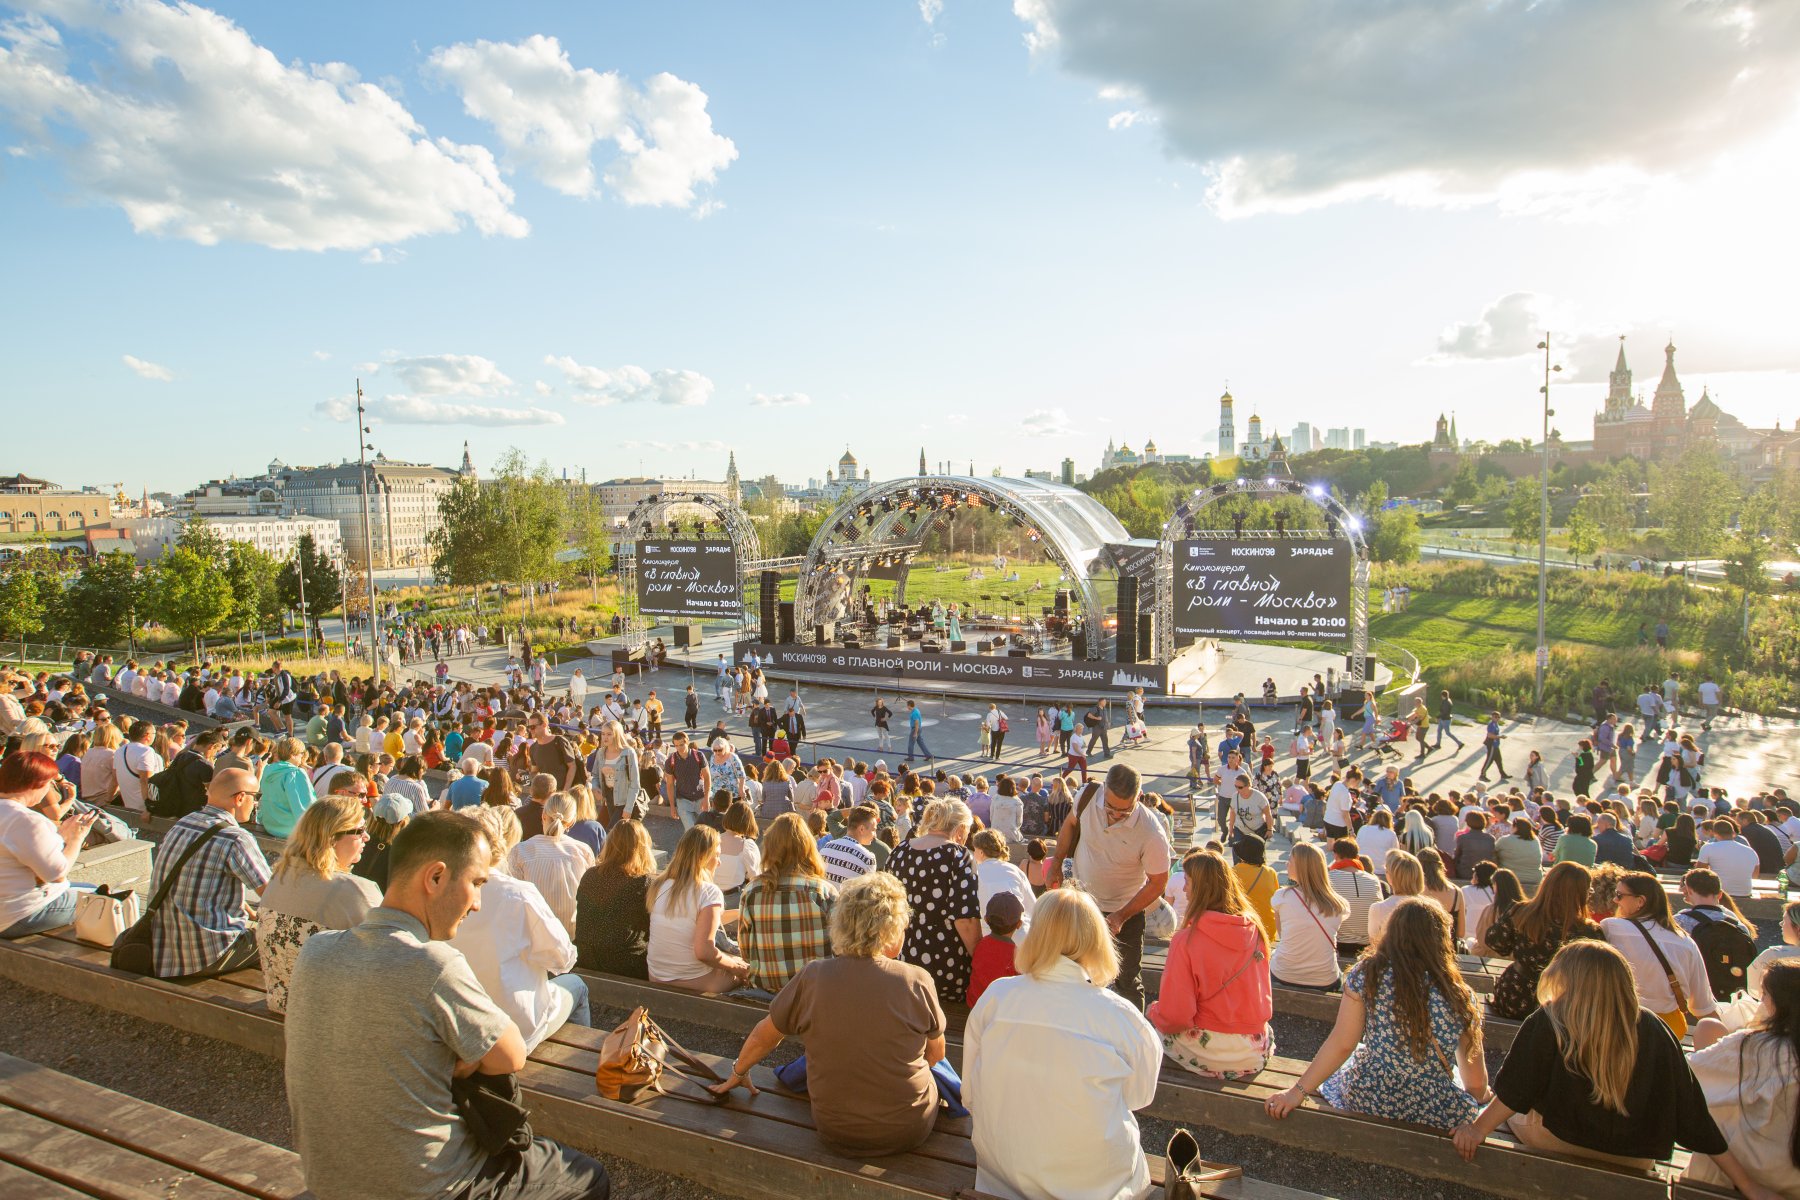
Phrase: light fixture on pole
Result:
[362,485]
[1543,645]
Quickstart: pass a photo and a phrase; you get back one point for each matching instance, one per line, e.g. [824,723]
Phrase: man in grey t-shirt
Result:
[381,1018]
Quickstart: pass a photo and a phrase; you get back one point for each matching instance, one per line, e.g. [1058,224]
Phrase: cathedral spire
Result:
[734,488]
[468,464]
[922,470]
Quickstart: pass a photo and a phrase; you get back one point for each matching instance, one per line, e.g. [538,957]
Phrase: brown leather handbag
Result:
[635,1057]
[1187,1175]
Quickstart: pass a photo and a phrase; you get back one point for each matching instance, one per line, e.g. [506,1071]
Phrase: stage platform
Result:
[1197,674]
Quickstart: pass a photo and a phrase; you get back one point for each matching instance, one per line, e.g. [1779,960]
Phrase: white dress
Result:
[1750,1083]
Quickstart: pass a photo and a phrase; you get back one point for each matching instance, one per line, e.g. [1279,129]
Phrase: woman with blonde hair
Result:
[617,776]
[612,920]
[1214,1008]
[873,1028]
[286,789]
[312,887]
[740,858]
[587,828]
[1308,914]
[784,916]
[552,861]
[1406,1017]
[1533,933]
[99,770]
[1594,1075]
[1437,888]
[686,913]
[517,947]
[944,889]
[1405,879]
[1031,1035]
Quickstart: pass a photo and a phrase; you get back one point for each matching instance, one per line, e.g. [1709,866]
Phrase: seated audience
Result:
[204,928]
[1507,895]
[1214,1007]
[553,862]
[286,789]
[1521,853]
[1743,1008]
[784,921]
[387,816]
[40,836]
[1359,889]
[1405,879]
[1751,1079]
[852,854]
[612,920]
[1534,931]
[995,873]
[1665,963]
[944,893]
[872,1026]
[1308,915]
[1258,880]
[740,858]
[994,953]
[312,888]
[686,913]
[1407,1016]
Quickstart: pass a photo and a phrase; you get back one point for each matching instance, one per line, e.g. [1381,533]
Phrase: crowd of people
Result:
[859,901]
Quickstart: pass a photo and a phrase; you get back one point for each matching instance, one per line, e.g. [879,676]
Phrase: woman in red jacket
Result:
[1215,1005]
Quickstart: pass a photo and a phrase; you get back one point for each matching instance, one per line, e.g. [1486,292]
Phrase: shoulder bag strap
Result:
[1088,792]
[1681,1004]
[162,893]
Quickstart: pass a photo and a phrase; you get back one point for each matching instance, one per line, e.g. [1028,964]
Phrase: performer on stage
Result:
[955,623]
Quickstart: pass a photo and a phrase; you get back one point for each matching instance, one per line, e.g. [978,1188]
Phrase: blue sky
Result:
[1004,235]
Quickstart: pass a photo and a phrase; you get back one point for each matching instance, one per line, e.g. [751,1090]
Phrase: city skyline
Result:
[634,241]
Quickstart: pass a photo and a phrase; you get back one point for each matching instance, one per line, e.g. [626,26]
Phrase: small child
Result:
[722,799]
[994,953]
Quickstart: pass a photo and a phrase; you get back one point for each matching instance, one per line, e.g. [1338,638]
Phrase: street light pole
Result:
[1543,644]
[362,484]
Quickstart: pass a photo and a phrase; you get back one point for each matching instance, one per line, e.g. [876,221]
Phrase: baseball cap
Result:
[392,808]
[1006,908]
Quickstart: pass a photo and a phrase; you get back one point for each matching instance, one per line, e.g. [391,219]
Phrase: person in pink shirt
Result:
[1215,1005]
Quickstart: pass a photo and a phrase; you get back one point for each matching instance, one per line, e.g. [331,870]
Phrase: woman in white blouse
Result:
[552,861]
[99,777]
[1056,1030]
[1750,1079]
[1658,952]
[517,947]
[740,858]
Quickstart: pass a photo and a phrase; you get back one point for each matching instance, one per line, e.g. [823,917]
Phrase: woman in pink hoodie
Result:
[1214,1008]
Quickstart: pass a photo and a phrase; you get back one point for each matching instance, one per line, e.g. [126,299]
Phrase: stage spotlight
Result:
[1269,482]
[1356,524]
[1317,490]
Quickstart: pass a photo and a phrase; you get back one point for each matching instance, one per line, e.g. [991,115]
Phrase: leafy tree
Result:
[257,604]
[527,518]
[1583,530]
[190,595]
[199,536]
[1692,499]
[462,544]
[1746,562]
[1394,536]
[592,535]
[21,606]
[324,589]
[99,606]
[1464,485]
[1524,510]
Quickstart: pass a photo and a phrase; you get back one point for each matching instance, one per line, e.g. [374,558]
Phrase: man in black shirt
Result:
[1095,721]
[549,755]
[688,780]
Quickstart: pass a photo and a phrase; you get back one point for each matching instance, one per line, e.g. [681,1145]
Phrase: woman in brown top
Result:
[1533,932]
[872,1028]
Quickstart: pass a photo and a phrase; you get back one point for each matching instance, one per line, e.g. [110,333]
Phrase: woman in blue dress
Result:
[1406,1027]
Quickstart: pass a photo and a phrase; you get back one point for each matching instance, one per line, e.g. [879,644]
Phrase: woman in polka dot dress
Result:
[941,888]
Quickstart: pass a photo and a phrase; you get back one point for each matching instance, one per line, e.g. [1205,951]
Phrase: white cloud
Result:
[780,400]
[321,355]
[929,9]
[1510,326]
[155,372]
[428,410]
[197,132]
[1124,119]
[632,385]
[707,208]
[549,116]
[542,388]
[1047,422]
[449,375]
[376,256]
[1301,103]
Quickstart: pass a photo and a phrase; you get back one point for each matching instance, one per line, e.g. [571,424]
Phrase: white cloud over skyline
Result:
[631,385]
[780,400]
[143,369]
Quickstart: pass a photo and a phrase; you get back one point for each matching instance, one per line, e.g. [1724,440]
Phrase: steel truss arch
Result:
[1340,521]
[647,514]
[884,526]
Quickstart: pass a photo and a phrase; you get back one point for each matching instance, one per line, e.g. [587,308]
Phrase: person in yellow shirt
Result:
[1258,881]
[653,713]
[394,742]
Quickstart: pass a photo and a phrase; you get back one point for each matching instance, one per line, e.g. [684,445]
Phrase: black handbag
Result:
[493,1108]
[135,950]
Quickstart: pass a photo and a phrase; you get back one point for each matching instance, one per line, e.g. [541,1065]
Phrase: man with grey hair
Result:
[466,790]
[1121,853]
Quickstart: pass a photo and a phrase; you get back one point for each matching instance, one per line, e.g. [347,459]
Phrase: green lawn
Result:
[954,585]
[1443,628]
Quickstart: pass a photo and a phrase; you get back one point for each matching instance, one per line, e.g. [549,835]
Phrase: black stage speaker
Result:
[1017,652]
[1146,637]
[894,642]
[824,633]
[687,635]
[785,612]
[1078,644]
[1062,601]
[1125,641]
[957,647]
[769,592]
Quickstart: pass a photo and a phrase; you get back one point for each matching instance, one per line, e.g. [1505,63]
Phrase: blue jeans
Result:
[581,1013]
[688,811]
[916,737]
[1443,731]
[54,915]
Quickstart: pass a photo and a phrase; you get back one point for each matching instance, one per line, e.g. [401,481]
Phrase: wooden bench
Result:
[761,1147]
[1481,974]
[1238,1108]
[62,1138]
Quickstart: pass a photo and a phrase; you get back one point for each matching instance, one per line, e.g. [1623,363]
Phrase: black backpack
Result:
[1727,950]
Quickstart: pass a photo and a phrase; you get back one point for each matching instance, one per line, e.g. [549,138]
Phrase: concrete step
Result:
[118,864]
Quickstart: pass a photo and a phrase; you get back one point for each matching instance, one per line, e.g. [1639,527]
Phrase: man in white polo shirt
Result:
[1122,854]
[1733,861]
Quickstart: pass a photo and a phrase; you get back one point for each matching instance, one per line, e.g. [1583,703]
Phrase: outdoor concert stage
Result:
[1213,672]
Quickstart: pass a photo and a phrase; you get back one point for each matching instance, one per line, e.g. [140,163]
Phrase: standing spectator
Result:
[1358,888]
[1491,745]
[1006,813]
[1709,702]
[612,915]
[1121,852]
[686,912]
[944,893]
[313,888]
[1034,1033]
[996,724]
[392,1097]
[1308,916]
[1406,1017]
[517,946]
[785,917]
[915,732]
[1749,1080]
[40,836]
[1214,1005]
[1667,967]
[203,929]
[873,1028]
[1533,932]
[1340,802]
[1095,723]
[552,861]
[618,777]
[1593,1075]
[1446,709]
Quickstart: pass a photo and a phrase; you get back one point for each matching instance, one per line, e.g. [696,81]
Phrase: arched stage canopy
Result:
[881,529]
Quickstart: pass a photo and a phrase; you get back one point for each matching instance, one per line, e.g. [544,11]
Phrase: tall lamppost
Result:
[1543,644]
[362,484]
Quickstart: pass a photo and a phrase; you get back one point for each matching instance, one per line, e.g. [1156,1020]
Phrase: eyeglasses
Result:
[361,831]
[235,795]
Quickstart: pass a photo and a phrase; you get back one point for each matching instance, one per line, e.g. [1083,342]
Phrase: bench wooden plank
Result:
[17,1183]
[99,1168]
[252,1167]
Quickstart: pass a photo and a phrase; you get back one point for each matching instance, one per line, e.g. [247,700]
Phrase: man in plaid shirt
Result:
[206,927]
[785,915]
